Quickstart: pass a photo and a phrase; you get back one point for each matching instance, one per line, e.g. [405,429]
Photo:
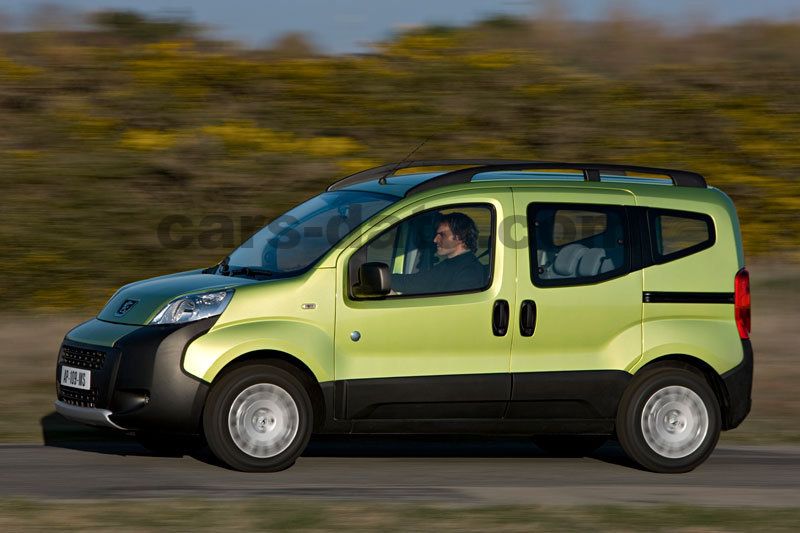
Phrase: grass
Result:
[29,348]
[198,515]
[279,515]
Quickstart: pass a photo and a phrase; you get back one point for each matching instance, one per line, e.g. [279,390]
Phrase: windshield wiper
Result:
[223,266]
[220,268]
[250,271]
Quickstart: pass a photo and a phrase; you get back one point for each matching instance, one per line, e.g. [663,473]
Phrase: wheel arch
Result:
[697,365]
[289,363]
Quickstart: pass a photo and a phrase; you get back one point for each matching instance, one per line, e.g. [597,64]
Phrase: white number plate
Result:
[76,377]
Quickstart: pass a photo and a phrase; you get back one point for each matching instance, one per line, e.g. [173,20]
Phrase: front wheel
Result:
[668,420]
[258,418]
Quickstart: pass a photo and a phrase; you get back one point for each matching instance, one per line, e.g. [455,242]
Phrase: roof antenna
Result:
[382,179]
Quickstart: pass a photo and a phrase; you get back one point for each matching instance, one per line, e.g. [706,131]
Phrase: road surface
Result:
[449,471]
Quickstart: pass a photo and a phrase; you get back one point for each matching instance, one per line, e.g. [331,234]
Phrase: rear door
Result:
[579,303]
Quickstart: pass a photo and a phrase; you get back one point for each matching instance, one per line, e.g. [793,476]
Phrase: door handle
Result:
[527,318]
[500,316]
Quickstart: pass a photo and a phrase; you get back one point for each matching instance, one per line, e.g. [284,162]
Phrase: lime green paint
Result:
[599,326]
[427,335]
[705,331]
[590,327]
[585,327]
[269,316]
[99,333]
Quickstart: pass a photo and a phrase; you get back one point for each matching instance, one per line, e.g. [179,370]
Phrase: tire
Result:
[569,445]
[258,418]
[668,420]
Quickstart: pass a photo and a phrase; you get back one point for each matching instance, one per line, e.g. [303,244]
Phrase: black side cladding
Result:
[579,395]
[151,390]
[738,386]
[582,402]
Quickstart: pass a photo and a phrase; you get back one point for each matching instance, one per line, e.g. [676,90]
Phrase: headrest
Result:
[591,261]
[567,259]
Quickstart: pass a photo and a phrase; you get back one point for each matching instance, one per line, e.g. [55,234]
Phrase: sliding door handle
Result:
[527,318]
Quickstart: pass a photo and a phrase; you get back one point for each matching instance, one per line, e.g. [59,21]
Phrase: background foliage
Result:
[108,130]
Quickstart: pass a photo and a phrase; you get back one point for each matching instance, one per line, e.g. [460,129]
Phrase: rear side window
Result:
[571,225]
[574,244]
[676,234]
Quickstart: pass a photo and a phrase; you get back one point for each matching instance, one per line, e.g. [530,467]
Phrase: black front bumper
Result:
[139,383]
[738,388]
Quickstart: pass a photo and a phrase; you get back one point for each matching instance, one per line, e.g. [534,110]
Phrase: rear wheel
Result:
[258,418]
[668,420]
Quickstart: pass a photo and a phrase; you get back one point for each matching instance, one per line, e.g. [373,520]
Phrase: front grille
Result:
[82,357]
[80,398]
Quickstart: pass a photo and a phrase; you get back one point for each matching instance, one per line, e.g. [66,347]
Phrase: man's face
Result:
[447,244]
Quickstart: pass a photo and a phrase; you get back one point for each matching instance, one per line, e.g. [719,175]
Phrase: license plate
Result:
[76,377]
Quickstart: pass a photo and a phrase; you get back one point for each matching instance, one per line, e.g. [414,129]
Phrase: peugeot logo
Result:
[125,307]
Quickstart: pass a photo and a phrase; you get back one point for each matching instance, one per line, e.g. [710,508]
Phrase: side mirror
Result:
[374,280]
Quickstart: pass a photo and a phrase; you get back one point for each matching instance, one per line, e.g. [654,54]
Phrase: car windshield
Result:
[297,239]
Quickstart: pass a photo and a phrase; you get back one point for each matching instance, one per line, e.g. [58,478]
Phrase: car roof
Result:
[398,178]
[399,184]
[396,185]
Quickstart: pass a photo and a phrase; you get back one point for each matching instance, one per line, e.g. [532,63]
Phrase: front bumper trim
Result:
[86,415]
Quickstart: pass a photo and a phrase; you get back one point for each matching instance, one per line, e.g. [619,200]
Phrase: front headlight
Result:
[193,307]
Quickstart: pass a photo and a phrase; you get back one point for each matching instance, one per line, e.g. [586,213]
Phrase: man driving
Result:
[458,269]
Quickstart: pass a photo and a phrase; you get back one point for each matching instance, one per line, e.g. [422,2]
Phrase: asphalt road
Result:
[473,471]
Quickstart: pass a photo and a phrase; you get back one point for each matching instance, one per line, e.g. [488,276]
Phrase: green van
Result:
[562,301]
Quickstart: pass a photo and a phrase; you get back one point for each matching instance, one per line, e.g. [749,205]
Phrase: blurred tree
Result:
[137,27]
[107,132]
[294,45]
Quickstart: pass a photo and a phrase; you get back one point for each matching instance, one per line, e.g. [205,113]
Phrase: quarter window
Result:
[677,234]
[577,244]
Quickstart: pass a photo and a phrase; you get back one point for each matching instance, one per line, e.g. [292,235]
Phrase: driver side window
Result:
[439,251]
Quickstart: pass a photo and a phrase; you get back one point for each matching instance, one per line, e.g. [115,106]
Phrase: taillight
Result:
[741,302]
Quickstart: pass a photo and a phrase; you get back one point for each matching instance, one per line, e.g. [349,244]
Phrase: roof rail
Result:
[385,171]
[591,172]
